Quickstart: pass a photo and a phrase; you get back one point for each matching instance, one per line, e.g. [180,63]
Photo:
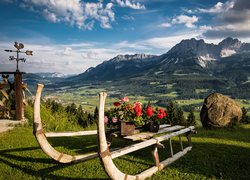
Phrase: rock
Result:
[219,111]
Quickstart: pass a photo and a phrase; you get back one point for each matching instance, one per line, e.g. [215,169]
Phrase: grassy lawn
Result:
[216,154]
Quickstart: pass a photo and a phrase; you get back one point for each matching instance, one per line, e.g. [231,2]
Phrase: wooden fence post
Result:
[19,96]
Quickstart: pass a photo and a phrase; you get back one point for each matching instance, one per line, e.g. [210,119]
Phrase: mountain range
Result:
[190,65]
[188,56]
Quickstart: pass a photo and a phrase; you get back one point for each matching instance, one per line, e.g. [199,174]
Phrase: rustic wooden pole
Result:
[18,96]
[155,155]
[171,147]
[70,134]
[181,142]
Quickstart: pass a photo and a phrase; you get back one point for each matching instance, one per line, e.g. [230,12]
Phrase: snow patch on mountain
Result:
[127,57]
[203,60]
[227,52]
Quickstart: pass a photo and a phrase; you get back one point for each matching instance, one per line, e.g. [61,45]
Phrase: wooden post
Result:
[189,138]
[181,142]
[18,96]
[171,148]
[155,155]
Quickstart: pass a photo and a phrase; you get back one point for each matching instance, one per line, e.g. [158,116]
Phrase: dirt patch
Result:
[6,125]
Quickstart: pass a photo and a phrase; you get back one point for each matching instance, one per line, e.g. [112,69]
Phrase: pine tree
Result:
[80,115]
[171,116]
[96,114]
[90,118]
[180,117]
[191,119]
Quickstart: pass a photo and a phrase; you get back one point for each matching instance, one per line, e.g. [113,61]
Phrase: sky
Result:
[69,36]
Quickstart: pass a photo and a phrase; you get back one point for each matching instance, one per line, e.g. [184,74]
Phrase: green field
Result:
[216,154]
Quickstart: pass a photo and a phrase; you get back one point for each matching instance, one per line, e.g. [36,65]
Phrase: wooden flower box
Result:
[127,128]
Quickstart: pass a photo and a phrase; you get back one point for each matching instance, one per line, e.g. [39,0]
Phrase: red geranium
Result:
[135,113]
[117,104]
[150,111]
[161,114]
[138,108]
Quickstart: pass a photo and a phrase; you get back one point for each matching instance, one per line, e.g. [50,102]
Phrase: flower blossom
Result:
[106,119]
[125,99]
[114,120]
[150,111]
[138,108]
[117,104]
[161,114]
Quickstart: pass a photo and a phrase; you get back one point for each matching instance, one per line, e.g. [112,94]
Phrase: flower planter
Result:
[154,127]
[127,128]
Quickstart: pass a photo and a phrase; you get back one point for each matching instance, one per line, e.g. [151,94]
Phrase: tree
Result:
[171,115]
[191,119]
[180,117]
[72,109]
[80,115]
[96,114]
[90,118]
[175,114]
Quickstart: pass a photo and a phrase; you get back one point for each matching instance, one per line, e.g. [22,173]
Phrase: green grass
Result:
[171,94]
[216,154]
[189,101]
[197,91]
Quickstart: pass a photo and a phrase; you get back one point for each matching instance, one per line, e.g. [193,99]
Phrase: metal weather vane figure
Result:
[18,46]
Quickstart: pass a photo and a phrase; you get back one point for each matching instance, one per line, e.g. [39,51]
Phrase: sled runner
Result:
[41,136]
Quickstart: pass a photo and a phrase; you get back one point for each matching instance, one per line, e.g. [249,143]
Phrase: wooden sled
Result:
[107,157]
[41,137]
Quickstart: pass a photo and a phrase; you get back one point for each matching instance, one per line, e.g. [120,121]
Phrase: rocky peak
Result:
[190,46]
[230,43]
[128,57]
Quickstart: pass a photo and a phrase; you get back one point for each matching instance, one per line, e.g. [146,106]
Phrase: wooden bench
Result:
[147,139]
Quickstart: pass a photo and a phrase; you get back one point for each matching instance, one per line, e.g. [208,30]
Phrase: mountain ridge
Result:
[192,54]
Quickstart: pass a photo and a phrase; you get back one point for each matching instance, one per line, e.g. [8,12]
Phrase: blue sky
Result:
[69,36]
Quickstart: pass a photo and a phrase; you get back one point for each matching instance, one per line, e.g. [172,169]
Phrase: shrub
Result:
[175,114]
[191,119]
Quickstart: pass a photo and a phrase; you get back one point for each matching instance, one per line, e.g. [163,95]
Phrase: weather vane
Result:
[18,46]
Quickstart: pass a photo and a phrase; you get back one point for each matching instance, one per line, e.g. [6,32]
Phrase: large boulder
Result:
[219,111]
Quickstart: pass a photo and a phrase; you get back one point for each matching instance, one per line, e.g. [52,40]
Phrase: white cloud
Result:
[67,59]
[73,12]
[167,42]
[130,4]
[205,27]
[187,20]
[50,16]
[130,45]
[165,25]
[231,19]
[67,51]
[98,12]
[218,7]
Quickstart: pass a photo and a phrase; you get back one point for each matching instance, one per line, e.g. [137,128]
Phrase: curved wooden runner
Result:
[106,156]
[43,142]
